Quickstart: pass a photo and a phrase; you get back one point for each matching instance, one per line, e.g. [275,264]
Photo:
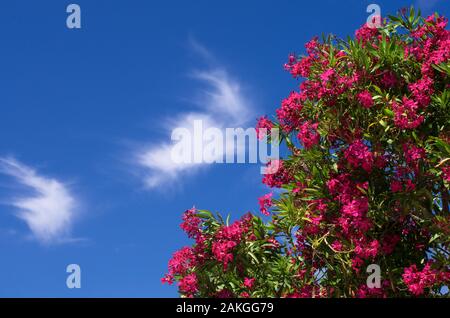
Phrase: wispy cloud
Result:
[224,97]
[221,102]
[48,207]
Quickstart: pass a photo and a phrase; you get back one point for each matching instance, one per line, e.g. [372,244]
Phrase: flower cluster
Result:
[417,281]
[191,223]
[220,244]
[181,266]
[263,127]
[308,134]
[276,174]
[365,98]
[446,174]
[289,112]
[359,155]
[265,202]
[406,114]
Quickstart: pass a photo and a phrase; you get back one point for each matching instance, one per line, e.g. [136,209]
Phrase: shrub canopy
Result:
[366,180]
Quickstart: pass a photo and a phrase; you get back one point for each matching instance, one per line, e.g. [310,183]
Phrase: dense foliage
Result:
[366,180]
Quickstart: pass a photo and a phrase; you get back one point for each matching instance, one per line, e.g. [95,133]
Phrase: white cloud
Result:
[221,102]
[49,210]
[224,97]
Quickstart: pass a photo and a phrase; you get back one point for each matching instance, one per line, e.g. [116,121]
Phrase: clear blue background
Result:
[72,100]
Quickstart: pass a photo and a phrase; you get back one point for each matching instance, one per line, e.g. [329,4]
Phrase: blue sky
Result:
[79,106]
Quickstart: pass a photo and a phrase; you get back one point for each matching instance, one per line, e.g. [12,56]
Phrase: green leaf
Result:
[388,112]
[254,257]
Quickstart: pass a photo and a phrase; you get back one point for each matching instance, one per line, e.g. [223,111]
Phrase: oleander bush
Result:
[366,180]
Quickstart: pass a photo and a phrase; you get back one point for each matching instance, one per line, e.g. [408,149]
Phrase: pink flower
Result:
[357,207]
[222,250]
[301,68]
[299,187]
[396,186]
[366,250]
[289,112]
[417,281]
[372,249]
[366,33]
[389,243]
[191,223]
[276,174]
[227,238]
[312,46]
[182,261]
[405,114]
[263,127]
[327,75]
[362,224]
[410,186]
[188,284]
[364,291]
[337,245]
[224,293]
[422,90]
[446,173]
[231,232]
[358,155]
[308,134]
[167,279]
[413,154]
[292,59]
[304,292]
[357,263]
[333,185]
[249,282]
[265,202]
[365,98]
[388,79]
